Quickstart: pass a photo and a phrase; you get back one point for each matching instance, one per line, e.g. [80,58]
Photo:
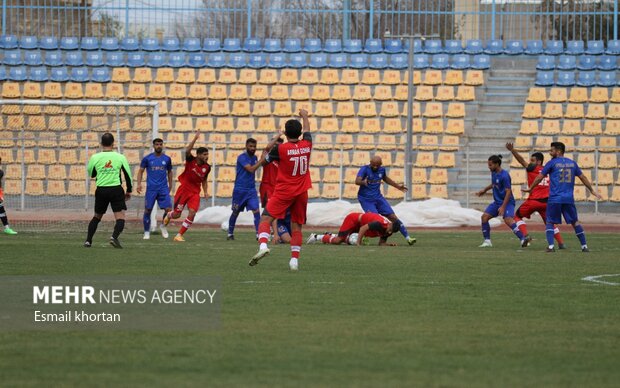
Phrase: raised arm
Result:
[516,154]
[304,120]
[190,146]
[586,183]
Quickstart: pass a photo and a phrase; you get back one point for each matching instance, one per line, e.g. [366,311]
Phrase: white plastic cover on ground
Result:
[434,212]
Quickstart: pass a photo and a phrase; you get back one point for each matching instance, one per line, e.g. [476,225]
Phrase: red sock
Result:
[296,238]
[557,235]
[521,225]
[263,232]
[327,238]
[186,224]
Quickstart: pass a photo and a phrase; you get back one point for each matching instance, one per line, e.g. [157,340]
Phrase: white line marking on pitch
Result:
[596,279]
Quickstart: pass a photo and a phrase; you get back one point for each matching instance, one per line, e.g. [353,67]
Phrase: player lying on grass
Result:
[364,224]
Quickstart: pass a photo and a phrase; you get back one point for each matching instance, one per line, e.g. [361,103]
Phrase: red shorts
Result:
[530,206]
[351,224]
[280,202]
[186,198]
[266,191]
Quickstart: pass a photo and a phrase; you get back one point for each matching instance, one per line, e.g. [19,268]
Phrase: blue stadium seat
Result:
[292,45]
[607,62]
[586,78]
[606,78]
[109,44]
[257,61]
[318,61]
[493,47]
[352,46]
[420,61]
[453,47]
[89,43]
[514,47]
[251,45]
[567,62]
[393,46]
[575,47]
[13,58]
[175,60]
[237,60]
[69,43]
[378,61]
[272,46]
[544,78]
[216,60]
[53,58]
[94,59]
[586,62]
[373,46]
[74,58]
[79,74]
[595,47]
[38,74]
[48,43]
[312,45]
[546,62]
[3,75]
[473,47]
[191,45]
[171,44]
[150,44]
[433,46]
[358,61]
[231,45]
[130,44]
[59,74]
[554,47]
[33,58]
[115,59]
[277,61]
[332,46]
[566,78]
[481,62]
[297,60]
[440,61]
[101,74]
[338,61]
[18,74]
[399,61]
[211,45]
[156,60]
[417,46]
[28,42]
[460,61]
[534,47]
[613,47]
[197,60]
[8,42]
[135,60]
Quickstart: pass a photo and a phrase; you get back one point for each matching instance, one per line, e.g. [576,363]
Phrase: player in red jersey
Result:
[292,184]
[267,185]
[365,224]
[193,178]
[537,200]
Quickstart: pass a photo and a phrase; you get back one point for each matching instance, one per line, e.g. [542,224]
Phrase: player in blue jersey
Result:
[244,192]
[562,172]
[158,168]
[369,179]
[503,202]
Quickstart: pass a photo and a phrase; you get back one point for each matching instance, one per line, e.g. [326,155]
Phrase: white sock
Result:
[487,241]
[584,246]
[262,246]
[551,246]
[319,237]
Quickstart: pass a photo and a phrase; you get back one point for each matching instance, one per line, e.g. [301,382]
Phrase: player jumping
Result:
[3,217]
[193,178]
[158,183]
[562,172]
[369,179]
[537,200]
[503,204]
[365,224]
[291,191]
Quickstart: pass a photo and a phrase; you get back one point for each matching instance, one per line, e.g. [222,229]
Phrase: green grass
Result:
[442,313]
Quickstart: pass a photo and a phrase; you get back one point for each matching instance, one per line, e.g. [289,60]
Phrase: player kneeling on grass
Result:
[362,224]
[283,230]
[503,202]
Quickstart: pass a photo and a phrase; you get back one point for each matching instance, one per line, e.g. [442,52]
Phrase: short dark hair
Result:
[250,141]
[201,150]
[107,139]
[292,129]
[396,226]
[558,145]
[497,159]
[158,140]
[539,156]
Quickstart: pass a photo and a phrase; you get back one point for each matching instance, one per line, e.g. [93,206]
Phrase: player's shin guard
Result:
[549,234]
[3,217]
[257,221]
[186,224]
[581,235]
[146,221]
[119,225]
[263,233]
[92,228]
[521,225]
[516,231]
[557,235]
[231,222]
[296,238]
[486,230]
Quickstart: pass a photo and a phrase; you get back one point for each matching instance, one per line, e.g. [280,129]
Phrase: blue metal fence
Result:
[360,19]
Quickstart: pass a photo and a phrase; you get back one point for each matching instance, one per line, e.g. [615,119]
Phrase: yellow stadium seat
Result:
[454,77]
[218,140]
[248,76]
[309,76]
[58,123]
[322,141]
[57,172]
[456,110]
[164,75]
[553,111]
[238,92]
[445,93]
[205,124]
[523,143]
[389,109]
[371,77]
[224,190]
[329,77]
[557,95]
[401,93]
[344,141]
[279,92]
[350,77]
[28,156]
[386,158]
[360,158]
[78,187]
[445,159]
[282,109]
[261,109]
[136,92]
[175,141]
[518,176]
[382,93]
[418,175]
[516,192]
[474,78]
[93,91]
[529,127]
[217,92]
[205,76]
[596,111]
[586,143]
[320,158]
[592,127]
[241,108]
[585,160]
[438,176]
[184,124]
[199,108]
[47,156]
[350,174]
[10,90]
[537,95]
[50,90]
[569,141]
[142,75]
[432,77]
[288,76]
[614,111]
[419,192]
[32,90]
[367,109]
[74,90]
[433,109]
[226,174]
[156,91]
[37,123]
[385,142]
[341,93]
[34,109]
[542,142]
[587,174]
[434,126]
[449,143]
[178,158]
[428,143]
[300,93]
[608,144]
[120,75]
[417,78]
[320,92]
[578,94]
[393,125]
[269,76]
[371,125]
[615,194]
[391,77]
[323,109]
[227,76]
[231,158]
[605,177]
[35,171]
[550,127]
[134,140]
[220,108]
[345,109]
[330,175]
[615,95]
[313,192]
[179,108]
[15,122]
[177,91]
[571,127]
[259,92]
[424,93]
[266,124]
[612,127]
[340,158]
[424,159]
[438,191]
[455,127]
[224,124]
[34,187]
[607,161]
[246,124]
[393,193]
[351,125]
[599,95]
[13,110]
[330,191]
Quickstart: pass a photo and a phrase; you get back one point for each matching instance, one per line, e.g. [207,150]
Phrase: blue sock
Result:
[549,233]
[403,230]
[146,221]
[231,222]
[581,235]
[486,230]
[516,231]
[256,220]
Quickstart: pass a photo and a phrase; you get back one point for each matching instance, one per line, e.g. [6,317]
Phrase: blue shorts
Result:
[162,197]
[493,210]
[377,205]
[244,200]
[555,211]
[284,227]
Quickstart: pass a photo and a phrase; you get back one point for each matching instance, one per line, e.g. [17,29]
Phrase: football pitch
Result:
[441,313]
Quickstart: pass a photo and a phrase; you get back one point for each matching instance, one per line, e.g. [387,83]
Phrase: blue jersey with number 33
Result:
[562,172]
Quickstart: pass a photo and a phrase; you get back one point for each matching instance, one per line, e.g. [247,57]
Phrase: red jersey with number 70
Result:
[294,167]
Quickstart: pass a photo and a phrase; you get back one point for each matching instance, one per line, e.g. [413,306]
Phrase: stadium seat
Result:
[270,77]
[373,46]
[578,95]
[300,93]
[156,60]
[545,62]
[237,60]
[115,59]
[136,92]
[534,47]
[537,95]
[454,77]
[287,76]
[453,47]
[424,93]
[53,59]
[28,43]
[292,45]
[350,77]
[130,44]
[312,45]
[352,46]
[585,78]
[74,90]
[382,93]
[378,61]
[224,124]
[220,108]
[438,176]
[585,160]
[231,45]
[557,95]
[553,111]
[184,76]
[241,108]
[205,124]
[196,60]
[440,61]
[567,78]
[606,78]
[428,143]
[586,143]
[571,127]
[309,76]
[607,161]
[358,61]
[79,74]
[567,62]
[272,46]
[366,109]
[529,127]
[32,90]
[542,142]
[394,125]
[595,111]
[257,60]
[345,109]
[460,61]
[494,47]
[465,93]
[424,159]
[474,78]
[402,93]
[69,43]
[12,58]
[338,61]
[574,111]
[586,62]
[456,110]
[592,127]
[398,61]
[164,76]
[216,61]
[345,141]
[178,108]
[455,127]
[433,46]
[575,47]
[421,61]
[10,90]
[199,108]
[550,127]
[177,92]
[322,141]
[238,92]
[554,47]
[599,95]
[532,111]
[282,109]
[614,111]
[360,93]
[392,46]
[607,62]
[150,44]
[595,47]
[514,47]
[32,58]
[473,47]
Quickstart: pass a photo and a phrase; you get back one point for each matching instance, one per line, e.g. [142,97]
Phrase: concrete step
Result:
[505,88]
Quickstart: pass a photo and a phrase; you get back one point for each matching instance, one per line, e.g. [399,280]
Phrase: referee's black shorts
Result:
[111,195]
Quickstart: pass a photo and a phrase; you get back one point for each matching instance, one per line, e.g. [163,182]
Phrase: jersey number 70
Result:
[301,165]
